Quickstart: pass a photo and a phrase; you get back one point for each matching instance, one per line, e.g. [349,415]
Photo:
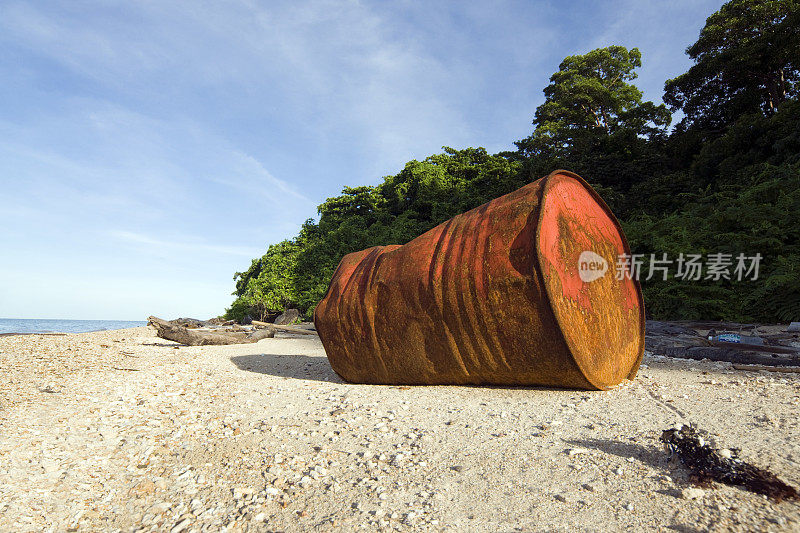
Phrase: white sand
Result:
[140,435]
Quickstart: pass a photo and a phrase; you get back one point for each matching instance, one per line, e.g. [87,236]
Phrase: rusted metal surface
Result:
[492,296]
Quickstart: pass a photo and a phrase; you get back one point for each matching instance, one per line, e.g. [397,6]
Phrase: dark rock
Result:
[189,322]
[290,316]
[655,327]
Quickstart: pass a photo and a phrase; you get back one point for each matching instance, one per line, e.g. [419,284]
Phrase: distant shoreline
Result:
[26,326]
[9,334]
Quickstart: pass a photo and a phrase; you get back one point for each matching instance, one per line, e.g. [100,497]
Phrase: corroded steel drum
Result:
[503,294]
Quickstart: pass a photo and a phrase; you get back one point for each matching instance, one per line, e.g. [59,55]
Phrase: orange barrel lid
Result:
[601,316]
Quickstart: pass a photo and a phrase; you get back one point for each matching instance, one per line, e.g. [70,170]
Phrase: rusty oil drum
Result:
[492,296]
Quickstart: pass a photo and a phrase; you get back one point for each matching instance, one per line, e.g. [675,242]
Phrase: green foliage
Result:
[727,180]
[268,285]
[747,59]
[588,97]
[750,205]
[591,92]
[422,195]
[594,122]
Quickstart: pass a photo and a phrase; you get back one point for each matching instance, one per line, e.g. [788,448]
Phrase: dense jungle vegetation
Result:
[725,179]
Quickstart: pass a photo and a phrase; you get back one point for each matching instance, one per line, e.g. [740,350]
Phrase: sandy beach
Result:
[123,431]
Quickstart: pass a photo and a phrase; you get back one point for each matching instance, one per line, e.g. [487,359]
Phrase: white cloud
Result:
[183,245]
[249,175]
[214,128]
[346,71]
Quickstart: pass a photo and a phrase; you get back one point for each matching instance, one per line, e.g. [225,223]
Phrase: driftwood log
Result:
[287,329]
[173,332]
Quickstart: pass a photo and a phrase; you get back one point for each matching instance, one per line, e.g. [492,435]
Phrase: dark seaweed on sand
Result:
[707,464]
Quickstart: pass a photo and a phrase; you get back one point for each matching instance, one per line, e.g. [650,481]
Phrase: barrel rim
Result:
[540,274]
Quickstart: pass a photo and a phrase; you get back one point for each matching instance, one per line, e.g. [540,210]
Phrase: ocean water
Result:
[39,325]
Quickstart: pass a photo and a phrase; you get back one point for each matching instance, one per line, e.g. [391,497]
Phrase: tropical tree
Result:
[594,122]
[590,94]
[268,285]
[746,60]
[745,200]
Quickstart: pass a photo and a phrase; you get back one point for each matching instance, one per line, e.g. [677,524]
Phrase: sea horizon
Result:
[62,325]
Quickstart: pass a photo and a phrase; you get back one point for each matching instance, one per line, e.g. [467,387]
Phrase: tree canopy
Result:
[590,93]
[747,59]
[594,122]
[422,195]
[726,180]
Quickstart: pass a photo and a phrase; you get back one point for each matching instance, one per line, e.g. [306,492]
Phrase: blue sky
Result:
[150,149]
